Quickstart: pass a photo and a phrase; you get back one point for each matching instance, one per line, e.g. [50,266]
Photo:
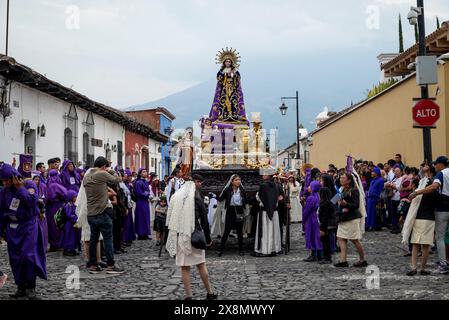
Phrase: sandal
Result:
[361,264]
[412,273]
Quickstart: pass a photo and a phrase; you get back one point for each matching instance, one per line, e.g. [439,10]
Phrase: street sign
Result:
[425,114]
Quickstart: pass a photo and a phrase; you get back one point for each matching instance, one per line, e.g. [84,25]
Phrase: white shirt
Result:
[396,193]
[391,175]
[236,199]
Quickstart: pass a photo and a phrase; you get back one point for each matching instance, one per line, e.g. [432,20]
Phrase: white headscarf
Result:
[81,211]
[181,219]
[362,201]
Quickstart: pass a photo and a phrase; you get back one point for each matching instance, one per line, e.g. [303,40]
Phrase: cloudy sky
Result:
[124,53]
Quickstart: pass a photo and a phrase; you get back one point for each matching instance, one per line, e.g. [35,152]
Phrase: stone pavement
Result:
[284,277]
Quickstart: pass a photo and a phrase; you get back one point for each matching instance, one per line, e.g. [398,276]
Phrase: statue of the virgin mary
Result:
[228,106]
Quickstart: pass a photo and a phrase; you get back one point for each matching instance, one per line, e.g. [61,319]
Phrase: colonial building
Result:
[287,158]
[46,119]
[160,153]
[381,126]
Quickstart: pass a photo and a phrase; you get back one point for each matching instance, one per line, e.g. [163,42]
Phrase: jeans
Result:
[394,213]
[101,223]
[328,240]
[441,226]
[231,223]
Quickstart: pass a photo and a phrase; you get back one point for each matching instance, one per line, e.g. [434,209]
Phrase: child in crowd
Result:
[311,224]
[328,224]
[70,238]
[160,220]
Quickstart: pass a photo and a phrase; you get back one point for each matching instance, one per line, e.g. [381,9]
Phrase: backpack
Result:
[60,218]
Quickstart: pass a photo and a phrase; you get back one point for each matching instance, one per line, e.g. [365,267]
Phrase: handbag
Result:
[240,216]
[198,238]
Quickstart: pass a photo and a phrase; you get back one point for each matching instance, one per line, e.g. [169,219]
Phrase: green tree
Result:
[401,36]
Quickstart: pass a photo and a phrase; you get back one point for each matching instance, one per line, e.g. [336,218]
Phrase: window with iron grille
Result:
[71,135]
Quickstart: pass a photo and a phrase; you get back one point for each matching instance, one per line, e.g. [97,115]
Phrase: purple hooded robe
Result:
[56,198]
[142,213]
[129,234]
[70,180]
[18,211]
[374,192]
[70,237]
[311,223]
[42,193]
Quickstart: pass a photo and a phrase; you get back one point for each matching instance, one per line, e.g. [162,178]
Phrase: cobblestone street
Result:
[239,278]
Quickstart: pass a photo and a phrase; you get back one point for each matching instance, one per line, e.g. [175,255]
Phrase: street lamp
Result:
[291,155]
[284,109]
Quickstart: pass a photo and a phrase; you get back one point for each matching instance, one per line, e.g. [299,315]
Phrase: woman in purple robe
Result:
[56,198]
[42,194]
[375,190]
[70,178]
[311,223]
[19,212]
[142,213]
[70,238]
[129,234]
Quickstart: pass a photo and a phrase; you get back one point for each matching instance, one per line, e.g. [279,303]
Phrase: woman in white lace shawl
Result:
[185,207]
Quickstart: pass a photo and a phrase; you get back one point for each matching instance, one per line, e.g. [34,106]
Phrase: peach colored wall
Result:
[384,127]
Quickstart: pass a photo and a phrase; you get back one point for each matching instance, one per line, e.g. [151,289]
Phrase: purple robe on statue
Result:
[70,236]
[56,198]
[129,234]
[311,223]
[18,211]
[229,104]
[70,180]
[142,212]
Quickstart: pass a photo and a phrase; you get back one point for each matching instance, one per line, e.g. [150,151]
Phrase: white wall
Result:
[40,108]
[153,151]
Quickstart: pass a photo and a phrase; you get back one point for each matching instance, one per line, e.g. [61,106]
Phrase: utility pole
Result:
[427,137]
[7,27]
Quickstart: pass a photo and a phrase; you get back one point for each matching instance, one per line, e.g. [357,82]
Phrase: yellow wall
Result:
[383,127]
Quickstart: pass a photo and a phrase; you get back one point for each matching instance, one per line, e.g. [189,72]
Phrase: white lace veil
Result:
[181,219]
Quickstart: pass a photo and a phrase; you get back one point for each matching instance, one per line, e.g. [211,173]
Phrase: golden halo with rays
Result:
[228,53]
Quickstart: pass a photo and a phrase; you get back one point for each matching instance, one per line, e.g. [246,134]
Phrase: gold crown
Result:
[228,53]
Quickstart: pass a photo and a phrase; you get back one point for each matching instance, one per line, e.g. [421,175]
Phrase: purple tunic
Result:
[375,190]
[142,213]
[129,233]
[311,223]
[70,235]
[70,180]
[56,198]
[43,224]
[18,210]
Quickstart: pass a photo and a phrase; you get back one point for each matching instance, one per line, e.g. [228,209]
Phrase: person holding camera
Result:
[189,234]
[235,201]
[100,213]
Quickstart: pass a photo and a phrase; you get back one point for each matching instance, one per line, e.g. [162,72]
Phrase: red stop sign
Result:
[426,113]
